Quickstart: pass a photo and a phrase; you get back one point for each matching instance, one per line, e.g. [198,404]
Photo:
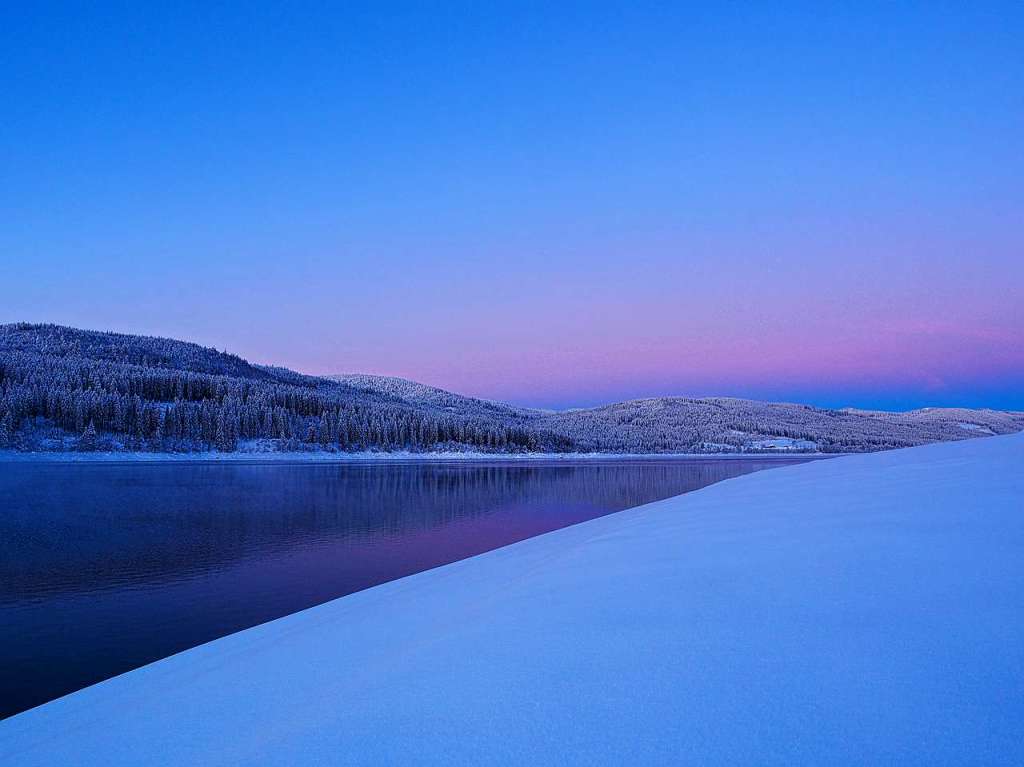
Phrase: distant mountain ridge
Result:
[714,424]
[66,389]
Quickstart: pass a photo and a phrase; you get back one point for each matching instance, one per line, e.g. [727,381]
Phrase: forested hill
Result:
[62,389]
[724,424]
[54,341]
[67,389]
[411,391]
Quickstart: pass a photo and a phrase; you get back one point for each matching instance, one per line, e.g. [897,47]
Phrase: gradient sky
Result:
[555,204]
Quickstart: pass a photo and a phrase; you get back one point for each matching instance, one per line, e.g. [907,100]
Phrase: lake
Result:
[105,567]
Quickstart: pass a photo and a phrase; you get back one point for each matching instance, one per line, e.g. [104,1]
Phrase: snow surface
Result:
[782,444]
[974,427]
[863,610]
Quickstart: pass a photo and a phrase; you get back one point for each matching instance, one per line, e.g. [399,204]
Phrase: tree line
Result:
[107,403]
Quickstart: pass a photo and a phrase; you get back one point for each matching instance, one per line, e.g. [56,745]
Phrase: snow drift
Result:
[864,610]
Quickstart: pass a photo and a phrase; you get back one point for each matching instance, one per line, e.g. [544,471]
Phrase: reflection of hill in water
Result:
[106,567]
[92,527]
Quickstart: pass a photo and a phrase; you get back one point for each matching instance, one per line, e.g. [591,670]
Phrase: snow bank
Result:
[866,610]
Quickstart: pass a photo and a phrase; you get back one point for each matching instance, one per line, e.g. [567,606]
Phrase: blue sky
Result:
[554,204]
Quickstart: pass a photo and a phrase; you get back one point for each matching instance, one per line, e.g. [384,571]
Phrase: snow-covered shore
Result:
[866,610]
[212,456]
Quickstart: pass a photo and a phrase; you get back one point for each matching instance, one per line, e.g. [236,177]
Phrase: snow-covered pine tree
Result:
[87,442]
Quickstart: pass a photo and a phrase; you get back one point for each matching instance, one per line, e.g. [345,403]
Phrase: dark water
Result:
[106,567]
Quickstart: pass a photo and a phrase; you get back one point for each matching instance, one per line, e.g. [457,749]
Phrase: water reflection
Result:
[106,567]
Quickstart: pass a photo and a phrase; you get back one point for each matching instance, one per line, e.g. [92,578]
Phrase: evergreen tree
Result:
[87,442]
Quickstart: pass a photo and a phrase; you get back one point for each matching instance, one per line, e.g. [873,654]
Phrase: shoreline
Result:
[380,457]
[834,584]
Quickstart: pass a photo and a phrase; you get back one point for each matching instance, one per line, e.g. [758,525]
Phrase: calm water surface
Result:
[106,567]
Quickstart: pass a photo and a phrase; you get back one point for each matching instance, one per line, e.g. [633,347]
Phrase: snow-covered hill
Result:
[863,610]
[697,425]
[411,391]
[65,389]
[669,423]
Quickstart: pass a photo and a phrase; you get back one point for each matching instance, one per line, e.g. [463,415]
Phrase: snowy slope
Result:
[418,393]
[863,610]
[674,423]
[713,424]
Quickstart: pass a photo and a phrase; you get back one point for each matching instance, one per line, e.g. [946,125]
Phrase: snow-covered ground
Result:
[781,444]
[866,610]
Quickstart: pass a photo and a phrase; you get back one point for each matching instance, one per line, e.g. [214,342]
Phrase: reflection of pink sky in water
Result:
[364,562]
[130,563]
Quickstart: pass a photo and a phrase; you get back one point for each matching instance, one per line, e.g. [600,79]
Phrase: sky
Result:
[554,204]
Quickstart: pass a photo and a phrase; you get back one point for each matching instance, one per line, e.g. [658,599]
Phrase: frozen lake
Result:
[106,567]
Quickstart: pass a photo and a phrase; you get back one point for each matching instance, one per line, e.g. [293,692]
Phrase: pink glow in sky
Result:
[815,204]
